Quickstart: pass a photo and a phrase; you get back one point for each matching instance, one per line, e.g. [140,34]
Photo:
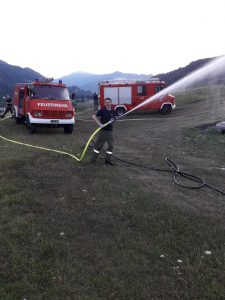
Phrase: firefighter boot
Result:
[94,156]
[108,158]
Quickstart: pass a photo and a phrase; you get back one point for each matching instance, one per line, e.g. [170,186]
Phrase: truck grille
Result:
[54,114]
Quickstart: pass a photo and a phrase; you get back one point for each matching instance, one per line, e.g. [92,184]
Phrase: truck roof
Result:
[129,82]
[41,83]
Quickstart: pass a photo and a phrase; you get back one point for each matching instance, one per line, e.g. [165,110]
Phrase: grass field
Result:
[75,231]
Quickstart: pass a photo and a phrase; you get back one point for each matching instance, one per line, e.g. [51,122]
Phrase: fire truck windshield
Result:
[49,92]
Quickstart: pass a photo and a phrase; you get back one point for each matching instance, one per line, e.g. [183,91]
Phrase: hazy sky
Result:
[57,38]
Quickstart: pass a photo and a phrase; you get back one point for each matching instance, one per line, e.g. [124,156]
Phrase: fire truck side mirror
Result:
[31,90]
[30,86]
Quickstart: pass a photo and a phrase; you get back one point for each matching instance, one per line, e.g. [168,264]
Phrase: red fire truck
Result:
[43,103]
[126,95]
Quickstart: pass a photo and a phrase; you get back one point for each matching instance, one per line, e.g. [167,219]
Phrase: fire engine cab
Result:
[126,95]
[43,103]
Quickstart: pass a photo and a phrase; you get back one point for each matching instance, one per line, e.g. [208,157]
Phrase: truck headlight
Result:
[37,113]
[69,115]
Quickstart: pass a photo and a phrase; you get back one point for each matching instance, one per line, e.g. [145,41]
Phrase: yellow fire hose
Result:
[57,151]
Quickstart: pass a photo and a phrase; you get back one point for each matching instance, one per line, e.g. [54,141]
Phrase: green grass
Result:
[111,246]
[109,249]
[82,106]
[208,142]
[74,231]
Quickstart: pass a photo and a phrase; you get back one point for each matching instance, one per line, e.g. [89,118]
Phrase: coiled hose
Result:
[199,182]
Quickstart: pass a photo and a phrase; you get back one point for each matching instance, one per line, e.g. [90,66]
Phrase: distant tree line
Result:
[80,95]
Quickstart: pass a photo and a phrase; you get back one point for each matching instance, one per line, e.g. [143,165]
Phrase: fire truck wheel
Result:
[30,126]
[120,111]
[166,109]
[18,120]
[68,128]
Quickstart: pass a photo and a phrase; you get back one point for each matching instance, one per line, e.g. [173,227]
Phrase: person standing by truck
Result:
[106,114]
[8,107]
[73,98]
[95,98]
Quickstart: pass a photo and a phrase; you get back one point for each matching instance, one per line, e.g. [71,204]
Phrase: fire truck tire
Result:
[166,109]
[68,128]
[18,120]
[120,111]
[30,126]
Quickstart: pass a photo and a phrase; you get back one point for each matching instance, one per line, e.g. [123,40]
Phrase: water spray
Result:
[211,70]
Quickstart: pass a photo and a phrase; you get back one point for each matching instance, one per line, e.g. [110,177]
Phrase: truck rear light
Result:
[69,115]
[38,113]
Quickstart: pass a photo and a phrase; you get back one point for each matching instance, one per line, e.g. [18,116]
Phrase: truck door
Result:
[125,95]
[21,98]
[142,93]
[112,93]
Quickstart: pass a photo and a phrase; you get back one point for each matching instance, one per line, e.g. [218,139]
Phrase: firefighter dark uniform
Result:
[8,107]
[105,135]
[95,98]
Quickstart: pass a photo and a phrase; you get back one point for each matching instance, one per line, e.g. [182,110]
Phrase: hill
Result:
[80,93]
[84,83]
[174,76]
[89,81]
[10,75]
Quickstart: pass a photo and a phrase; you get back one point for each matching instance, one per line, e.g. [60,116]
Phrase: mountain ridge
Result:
[88,81]
[85,83]
[11,74]
[169,77]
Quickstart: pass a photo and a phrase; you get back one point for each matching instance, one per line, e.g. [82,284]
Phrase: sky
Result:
[57,38]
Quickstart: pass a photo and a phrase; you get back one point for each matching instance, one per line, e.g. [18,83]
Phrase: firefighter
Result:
[8,107]
[105,114]
[95,98]
[73,97]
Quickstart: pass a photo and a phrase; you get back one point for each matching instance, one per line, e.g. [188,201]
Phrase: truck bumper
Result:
[51,121]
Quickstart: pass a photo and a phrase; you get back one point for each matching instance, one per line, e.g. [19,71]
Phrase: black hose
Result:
[200,183]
